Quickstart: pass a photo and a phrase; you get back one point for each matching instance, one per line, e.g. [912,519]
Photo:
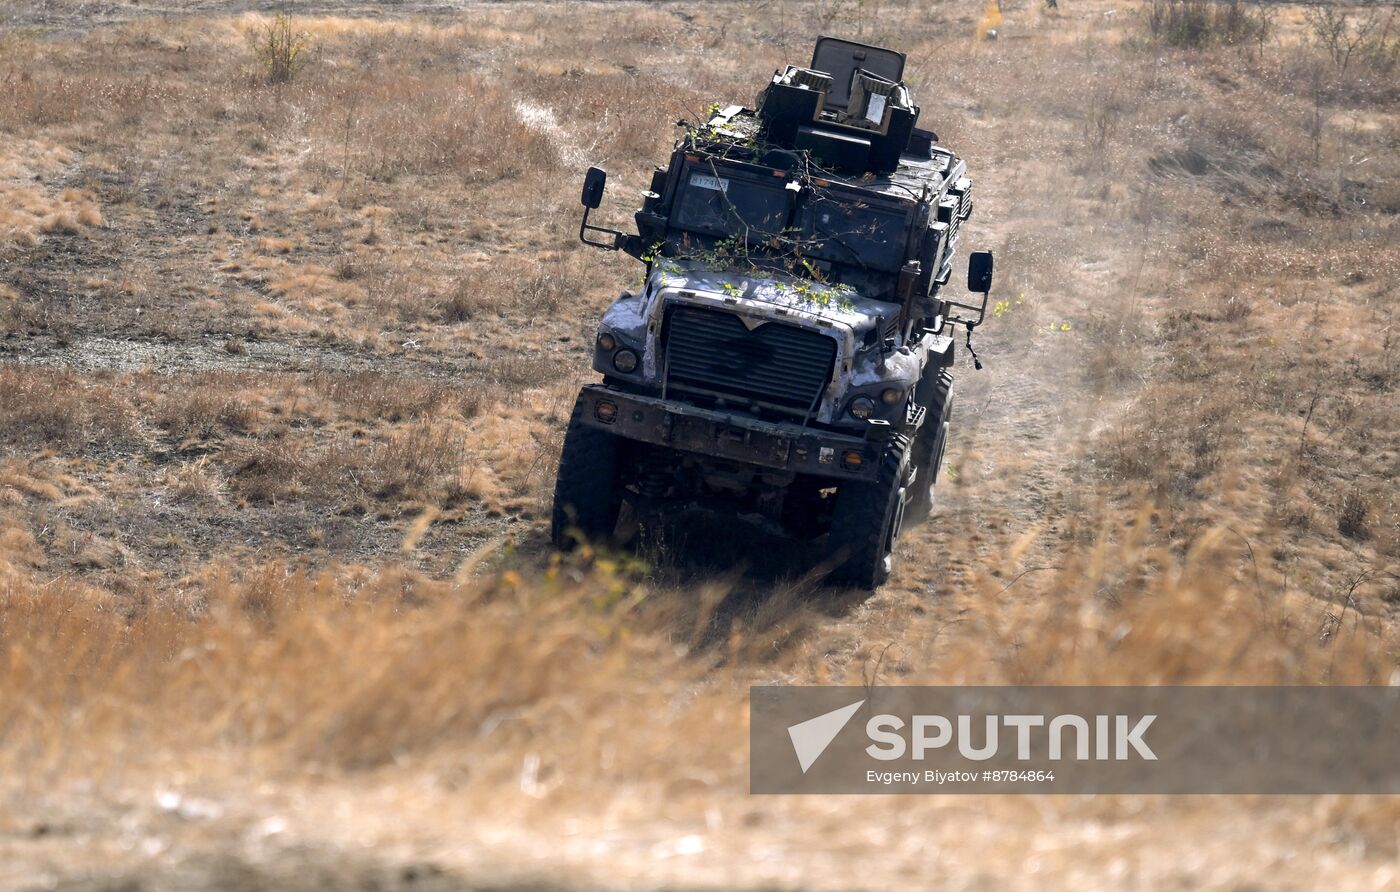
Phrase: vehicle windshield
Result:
[855,242]
[853,232]
[725,205]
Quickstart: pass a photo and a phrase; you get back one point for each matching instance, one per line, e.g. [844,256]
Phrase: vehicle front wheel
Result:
[587,499]
[868,518]
[929,444]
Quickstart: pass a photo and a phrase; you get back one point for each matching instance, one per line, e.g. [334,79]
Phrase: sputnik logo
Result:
[811,738]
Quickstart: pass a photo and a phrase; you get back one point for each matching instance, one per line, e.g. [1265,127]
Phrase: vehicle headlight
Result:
[625,361]
[891,395]
[862,407]
[607,342]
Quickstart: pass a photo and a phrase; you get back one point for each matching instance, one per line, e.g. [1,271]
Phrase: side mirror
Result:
[593,184]
[979,272]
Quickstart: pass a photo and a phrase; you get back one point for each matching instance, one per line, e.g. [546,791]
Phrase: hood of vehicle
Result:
[772,294]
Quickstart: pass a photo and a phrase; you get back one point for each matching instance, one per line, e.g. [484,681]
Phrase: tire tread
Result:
[586,496]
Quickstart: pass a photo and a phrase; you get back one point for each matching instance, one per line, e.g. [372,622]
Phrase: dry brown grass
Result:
[265,667]
[515,692]
[55,407]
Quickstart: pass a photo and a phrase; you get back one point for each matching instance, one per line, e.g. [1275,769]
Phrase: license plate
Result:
[705,181]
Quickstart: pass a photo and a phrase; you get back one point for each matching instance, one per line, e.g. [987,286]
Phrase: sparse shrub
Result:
[281,51]
[195,482]
[43,405]
[1351,518]
[1206,435]
[60,223]
[461,305]
[424,461]
[377,396]
[345,268]
[1178,440]
[1193,24]
[58,408]
[1346,35]
[1235,308]
[267,472]
[545,291]
[204,410]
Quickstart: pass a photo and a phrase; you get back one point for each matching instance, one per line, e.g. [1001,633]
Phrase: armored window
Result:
[854,233]
[713,203]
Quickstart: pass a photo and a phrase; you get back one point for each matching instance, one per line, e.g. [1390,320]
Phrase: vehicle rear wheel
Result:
[929,444]
[587,499]
[868,518]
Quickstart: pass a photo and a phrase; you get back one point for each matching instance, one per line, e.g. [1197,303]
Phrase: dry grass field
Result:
[284,371]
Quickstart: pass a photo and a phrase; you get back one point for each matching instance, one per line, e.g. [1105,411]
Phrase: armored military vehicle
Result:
[787,352]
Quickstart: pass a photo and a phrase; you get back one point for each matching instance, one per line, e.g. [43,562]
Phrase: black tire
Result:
[868,518]
[587,499]
[929,445]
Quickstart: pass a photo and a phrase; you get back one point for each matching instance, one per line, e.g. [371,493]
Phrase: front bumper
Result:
[730,436]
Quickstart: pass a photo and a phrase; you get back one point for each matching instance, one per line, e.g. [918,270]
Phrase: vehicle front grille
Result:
[777,364]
